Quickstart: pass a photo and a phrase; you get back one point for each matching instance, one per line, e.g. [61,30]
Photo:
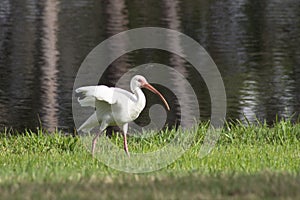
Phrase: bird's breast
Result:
[128,113]
[135,112]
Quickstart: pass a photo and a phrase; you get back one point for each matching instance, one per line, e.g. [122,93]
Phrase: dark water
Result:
[255,44]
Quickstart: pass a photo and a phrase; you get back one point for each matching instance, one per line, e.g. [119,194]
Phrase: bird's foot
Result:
[128,154]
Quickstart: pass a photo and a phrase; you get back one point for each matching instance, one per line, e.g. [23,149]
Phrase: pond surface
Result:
[254,43]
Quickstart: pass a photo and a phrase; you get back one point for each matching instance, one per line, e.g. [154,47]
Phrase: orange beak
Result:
[152,89]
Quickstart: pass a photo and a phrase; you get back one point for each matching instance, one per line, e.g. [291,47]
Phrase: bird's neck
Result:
[140,98]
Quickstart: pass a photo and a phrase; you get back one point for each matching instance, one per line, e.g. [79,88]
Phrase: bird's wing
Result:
[93,93]
[109,95]
[121,93]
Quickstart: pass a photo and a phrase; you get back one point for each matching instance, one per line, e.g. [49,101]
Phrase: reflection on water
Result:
[173,22]
[42,43]
[49,77]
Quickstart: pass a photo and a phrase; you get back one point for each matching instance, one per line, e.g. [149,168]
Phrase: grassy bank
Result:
[263,185]
[252,161]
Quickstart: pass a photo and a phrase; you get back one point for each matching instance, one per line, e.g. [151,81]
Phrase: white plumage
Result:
[114,106]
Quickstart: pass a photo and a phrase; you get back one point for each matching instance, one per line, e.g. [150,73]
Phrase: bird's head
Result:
[139,81]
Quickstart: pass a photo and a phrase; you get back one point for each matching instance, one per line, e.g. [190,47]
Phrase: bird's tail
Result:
[90,123]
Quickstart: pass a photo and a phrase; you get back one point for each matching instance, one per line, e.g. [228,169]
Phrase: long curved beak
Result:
[152,89]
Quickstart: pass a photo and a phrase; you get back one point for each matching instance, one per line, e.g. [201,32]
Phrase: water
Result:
[255,45]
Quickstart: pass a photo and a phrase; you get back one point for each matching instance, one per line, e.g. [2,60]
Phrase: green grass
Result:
[249,161]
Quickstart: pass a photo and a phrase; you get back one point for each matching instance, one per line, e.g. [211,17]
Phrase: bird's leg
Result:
[94,142]
[125,145]
[125,129]
[102,128]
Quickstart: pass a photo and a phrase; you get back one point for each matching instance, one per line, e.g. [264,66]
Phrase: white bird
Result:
[115,106]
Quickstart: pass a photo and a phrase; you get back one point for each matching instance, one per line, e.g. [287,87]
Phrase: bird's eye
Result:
[140,80]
